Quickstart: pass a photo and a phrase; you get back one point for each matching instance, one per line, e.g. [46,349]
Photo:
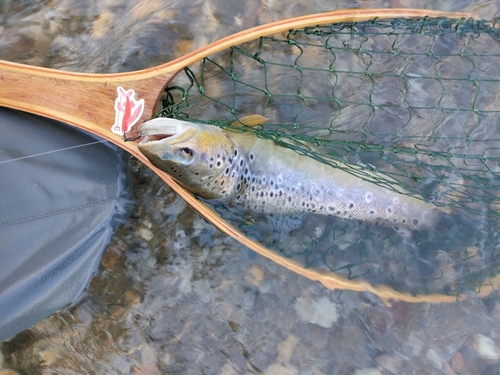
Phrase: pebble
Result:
[255,275]
[132,298]
[203,290]
[228,369]
[368,371]
[485,347]
[433,356]
[322,312]
[458,362]
[266,286]
[279,369]
[249,300]
[48,357]
[286,348]
[110,259]
[146,233]
[391,363]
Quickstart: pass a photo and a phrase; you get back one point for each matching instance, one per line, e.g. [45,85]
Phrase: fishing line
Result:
[53,151]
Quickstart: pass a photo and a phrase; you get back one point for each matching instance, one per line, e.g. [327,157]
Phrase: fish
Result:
[242,170]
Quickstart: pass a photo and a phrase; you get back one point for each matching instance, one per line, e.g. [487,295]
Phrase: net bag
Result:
[408,104]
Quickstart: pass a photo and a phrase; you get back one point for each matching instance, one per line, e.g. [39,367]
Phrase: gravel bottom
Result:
[174,296]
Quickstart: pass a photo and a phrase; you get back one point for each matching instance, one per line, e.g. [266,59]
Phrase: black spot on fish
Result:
[271,182]
[313,205]
[389,210]
[303,204]
[338,212]
[253,179]
[218,163]
[403,221]
[172,167]
[261,194]
[238,197]
[210,166]
[351,205]
[227,171]
[289,199]
[253,188]
[251,156]
[280,193]
[241,163]
[211,159]
[271,194]
[415,221]
[196,173]
[331,208]
[235,152]
[372,212]
[179,176]
[321,207]
[218,156]
[246,170]
[222,183]
[238,187]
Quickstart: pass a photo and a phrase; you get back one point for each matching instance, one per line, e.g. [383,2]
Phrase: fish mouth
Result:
[154,137]
[159,129]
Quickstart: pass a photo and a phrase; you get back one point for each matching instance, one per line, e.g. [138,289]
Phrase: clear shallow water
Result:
[172,294]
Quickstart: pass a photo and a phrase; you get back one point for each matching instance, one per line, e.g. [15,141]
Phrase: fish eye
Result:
[185,153]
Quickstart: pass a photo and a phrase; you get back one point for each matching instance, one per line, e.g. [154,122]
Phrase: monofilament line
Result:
[53,151]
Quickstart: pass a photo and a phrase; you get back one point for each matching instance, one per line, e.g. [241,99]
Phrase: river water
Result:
[175,296]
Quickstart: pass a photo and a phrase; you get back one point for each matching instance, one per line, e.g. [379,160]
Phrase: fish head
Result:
[199,156]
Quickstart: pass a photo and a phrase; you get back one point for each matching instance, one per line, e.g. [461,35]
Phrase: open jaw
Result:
[154,137]
[160,129]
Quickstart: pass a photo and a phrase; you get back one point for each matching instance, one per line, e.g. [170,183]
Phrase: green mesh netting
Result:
[412,105]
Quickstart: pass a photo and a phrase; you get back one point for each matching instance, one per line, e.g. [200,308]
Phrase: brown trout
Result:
[245,171]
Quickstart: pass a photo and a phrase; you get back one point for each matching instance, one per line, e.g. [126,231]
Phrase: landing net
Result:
[411,105]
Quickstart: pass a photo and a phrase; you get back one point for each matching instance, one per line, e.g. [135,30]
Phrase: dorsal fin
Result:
[246,140]
[250,120]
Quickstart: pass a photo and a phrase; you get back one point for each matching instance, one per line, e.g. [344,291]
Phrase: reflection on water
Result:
[173,295]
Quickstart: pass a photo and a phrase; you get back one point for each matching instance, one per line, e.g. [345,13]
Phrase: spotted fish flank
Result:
[252,173]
